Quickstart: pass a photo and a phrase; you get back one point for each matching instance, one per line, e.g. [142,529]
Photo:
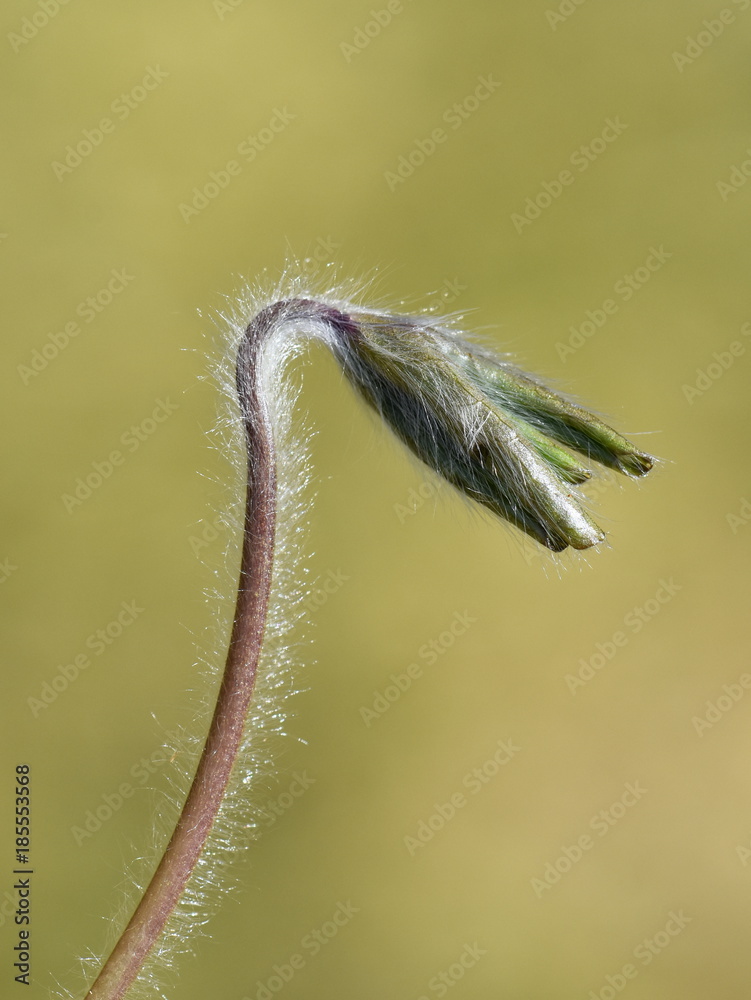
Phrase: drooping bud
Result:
[491,430]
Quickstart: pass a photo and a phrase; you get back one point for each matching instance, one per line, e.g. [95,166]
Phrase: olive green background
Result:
[318,190]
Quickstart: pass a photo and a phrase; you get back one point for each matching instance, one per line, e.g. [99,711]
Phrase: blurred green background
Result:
[319,106]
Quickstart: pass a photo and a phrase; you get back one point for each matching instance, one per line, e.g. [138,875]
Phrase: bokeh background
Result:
[319,105]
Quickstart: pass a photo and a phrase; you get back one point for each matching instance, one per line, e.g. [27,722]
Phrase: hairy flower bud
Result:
[486,427]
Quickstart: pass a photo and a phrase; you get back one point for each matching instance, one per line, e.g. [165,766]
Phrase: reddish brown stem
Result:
[226,732]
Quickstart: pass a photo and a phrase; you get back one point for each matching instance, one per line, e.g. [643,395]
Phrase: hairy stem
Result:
[226,731]
[228,723]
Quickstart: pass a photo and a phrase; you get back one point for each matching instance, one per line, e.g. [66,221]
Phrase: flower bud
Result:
[491,430]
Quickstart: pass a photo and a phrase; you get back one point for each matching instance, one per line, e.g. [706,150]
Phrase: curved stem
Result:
[226,731]
[227,725]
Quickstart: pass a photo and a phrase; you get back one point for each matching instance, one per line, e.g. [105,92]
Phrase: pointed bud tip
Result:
[636,464]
